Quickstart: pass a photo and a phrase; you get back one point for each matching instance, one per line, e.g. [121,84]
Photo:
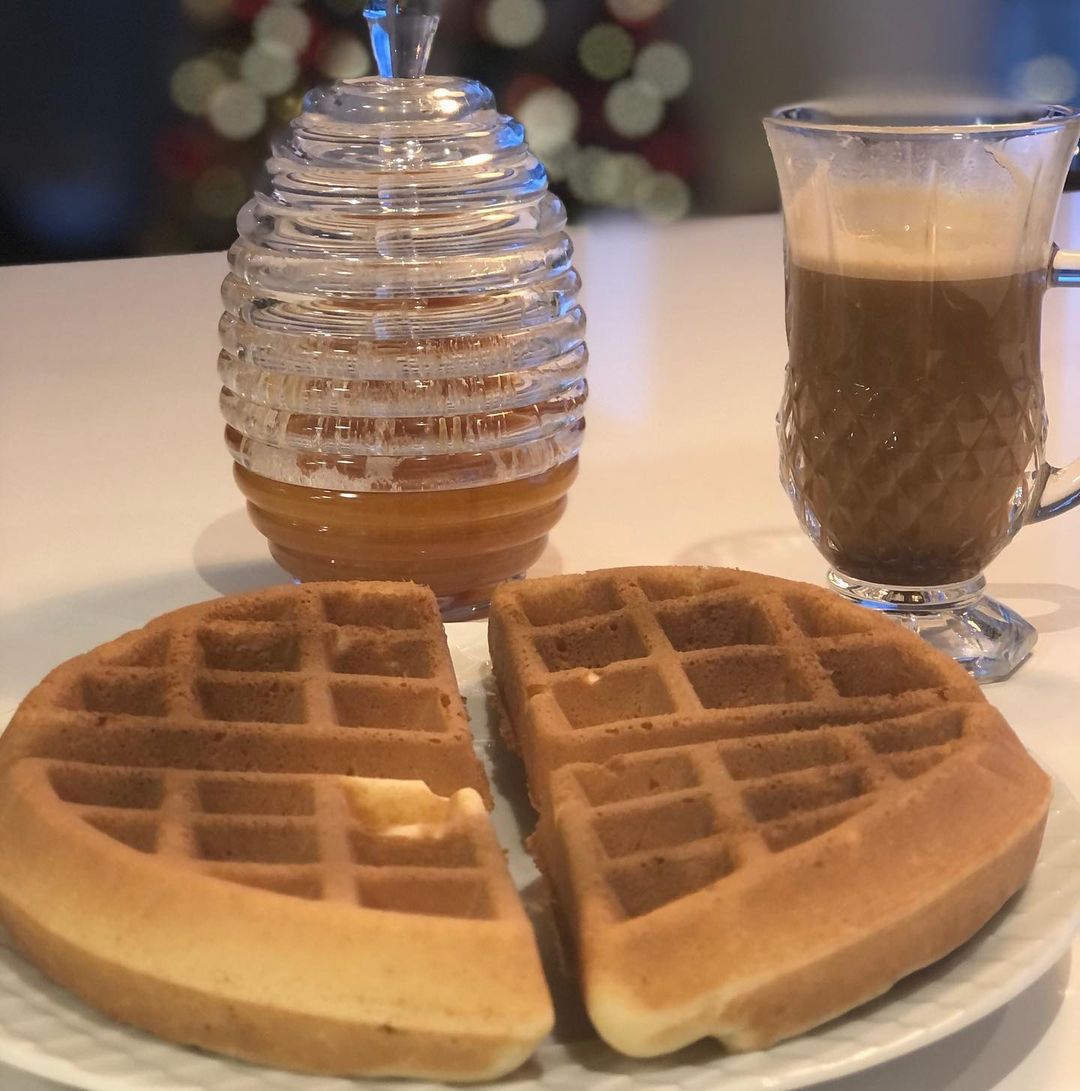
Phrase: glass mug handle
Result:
[1061,491]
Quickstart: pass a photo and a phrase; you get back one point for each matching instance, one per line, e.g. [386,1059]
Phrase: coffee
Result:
[913,424]
[918,248]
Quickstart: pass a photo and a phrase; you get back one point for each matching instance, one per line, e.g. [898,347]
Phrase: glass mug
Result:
[912,426]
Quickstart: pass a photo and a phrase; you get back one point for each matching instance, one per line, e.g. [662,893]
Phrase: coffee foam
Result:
[904,232]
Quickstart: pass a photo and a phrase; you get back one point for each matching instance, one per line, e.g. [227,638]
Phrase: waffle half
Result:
[759,806]
[258,826]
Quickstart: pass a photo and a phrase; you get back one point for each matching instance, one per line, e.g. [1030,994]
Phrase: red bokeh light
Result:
[183,152]
[246,10]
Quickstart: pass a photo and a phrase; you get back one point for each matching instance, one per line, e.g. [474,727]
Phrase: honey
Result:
[402,349]
[460,542]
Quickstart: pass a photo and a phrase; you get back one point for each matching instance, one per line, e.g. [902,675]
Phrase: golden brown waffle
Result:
[760,806]
[217,828]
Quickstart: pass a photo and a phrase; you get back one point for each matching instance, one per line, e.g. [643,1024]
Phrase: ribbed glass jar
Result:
[403,355]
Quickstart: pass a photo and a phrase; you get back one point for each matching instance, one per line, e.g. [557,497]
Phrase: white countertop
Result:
[117,502]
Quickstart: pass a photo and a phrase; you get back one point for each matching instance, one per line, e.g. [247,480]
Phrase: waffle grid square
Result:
[218,742]
[639,649]
[284,833]
[740,799]
[797,699]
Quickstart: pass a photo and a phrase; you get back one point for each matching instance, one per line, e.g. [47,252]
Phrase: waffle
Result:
[258,826]
[759,806]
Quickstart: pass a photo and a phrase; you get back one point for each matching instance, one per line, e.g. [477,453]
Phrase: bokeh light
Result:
[182,152]
[665,66]
[227,60]
[257,57]
[289,106]
[269,67]
[550,116]
[236,110]
[585,173]
[283,24]
[636,11]
[632,173]
[606,51]
[618,177]
[633,108]
[219,192]
[1046,78]
[193,83]
[557,162]
[514,23]
[664,197]
[606,178]
[343,57]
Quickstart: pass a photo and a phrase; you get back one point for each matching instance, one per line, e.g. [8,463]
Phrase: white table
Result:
[116,500]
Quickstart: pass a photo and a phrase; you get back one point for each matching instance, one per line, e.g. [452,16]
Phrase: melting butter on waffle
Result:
[258,826]
[759,805]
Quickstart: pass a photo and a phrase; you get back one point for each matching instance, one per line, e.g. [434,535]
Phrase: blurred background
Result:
[140,128]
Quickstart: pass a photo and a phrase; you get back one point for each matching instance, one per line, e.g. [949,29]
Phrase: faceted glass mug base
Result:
[984,636]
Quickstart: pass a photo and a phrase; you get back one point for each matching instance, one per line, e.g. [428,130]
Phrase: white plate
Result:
[45,1031]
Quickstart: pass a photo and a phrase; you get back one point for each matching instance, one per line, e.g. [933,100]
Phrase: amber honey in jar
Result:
[460,542]
[403,356]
